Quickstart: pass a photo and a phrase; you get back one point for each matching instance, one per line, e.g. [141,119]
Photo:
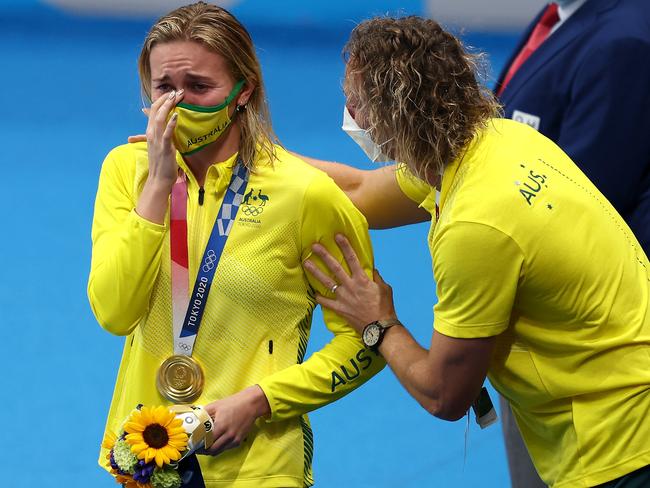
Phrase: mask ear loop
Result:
[239,111]
[145,101]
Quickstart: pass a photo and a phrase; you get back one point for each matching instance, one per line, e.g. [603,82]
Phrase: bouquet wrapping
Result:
[151,443]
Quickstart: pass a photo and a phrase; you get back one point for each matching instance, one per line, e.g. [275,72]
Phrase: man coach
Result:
[581,76]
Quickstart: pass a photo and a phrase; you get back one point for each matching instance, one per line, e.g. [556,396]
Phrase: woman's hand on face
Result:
[162,154]
[358,299]
[233,418]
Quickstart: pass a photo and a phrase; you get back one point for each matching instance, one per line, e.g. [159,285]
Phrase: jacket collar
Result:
[574,26]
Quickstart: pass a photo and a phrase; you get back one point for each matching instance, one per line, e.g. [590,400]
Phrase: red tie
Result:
[537,37]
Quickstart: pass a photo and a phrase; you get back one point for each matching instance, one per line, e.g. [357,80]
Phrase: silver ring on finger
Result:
[334,287]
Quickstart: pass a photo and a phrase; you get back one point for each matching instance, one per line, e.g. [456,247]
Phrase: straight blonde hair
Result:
[218,30]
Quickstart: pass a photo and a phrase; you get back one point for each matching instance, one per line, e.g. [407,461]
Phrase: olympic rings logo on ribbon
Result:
[251,211]
[210,260]
[183,346]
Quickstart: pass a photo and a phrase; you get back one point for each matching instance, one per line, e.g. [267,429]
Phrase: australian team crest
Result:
[252,207]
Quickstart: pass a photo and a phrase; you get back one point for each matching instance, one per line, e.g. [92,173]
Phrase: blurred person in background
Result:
[580,75]
[210,171]
[541,284]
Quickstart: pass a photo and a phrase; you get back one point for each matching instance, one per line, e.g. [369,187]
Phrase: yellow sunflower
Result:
[155,433]
[109,440]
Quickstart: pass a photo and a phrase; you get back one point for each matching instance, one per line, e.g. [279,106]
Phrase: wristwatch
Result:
[373,333]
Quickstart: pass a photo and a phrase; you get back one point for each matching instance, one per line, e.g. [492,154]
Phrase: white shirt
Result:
[566,11]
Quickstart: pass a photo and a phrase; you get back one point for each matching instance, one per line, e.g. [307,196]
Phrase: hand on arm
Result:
[446,379]
[343,364]
[358,299]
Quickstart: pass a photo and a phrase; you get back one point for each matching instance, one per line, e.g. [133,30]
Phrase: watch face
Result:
[371,335]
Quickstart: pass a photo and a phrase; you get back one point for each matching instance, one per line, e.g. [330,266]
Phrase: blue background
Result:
[70,93]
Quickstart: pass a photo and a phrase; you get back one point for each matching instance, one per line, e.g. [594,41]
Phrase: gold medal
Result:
[180,379]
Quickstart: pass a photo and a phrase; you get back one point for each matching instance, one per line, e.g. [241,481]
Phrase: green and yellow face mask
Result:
[197,125]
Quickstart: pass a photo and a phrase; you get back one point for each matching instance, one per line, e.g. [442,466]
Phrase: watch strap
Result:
[387,324]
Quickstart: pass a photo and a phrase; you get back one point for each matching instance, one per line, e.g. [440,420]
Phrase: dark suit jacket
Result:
[587,87]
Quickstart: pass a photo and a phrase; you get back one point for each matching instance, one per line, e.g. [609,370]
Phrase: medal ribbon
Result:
[187,311]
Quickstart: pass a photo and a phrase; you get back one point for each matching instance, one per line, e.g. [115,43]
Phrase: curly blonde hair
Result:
[218,30]
[415,89]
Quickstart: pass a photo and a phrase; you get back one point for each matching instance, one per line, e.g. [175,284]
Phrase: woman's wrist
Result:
[161,186]
[258,401]
[153,201]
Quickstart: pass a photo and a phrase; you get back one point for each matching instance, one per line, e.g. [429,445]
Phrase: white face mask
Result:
[362,138]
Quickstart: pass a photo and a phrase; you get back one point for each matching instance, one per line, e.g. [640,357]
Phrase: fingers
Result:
[333,305]
[162,113]
[169,130]
[332,264]
[349,255]
[221,444]
[159,112]
[158,102]
[338,307]
[224,440]
[218,434]
[233,418]
[325,279]
[137,138]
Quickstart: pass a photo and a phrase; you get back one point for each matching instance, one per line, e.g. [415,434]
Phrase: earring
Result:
[240,108]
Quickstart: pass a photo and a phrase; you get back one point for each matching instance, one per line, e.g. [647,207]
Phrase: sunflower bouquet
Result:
[151,443]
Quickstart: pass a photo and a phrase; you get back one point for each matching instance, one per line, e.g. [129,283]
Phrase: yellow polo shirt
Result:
[527,249]
[258,315]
